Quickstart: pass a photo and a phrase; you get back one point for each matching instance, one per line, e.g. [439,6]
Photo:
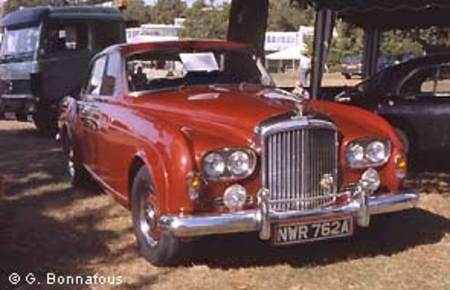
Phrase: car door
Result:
[422,103]
[112,136]
[89,114]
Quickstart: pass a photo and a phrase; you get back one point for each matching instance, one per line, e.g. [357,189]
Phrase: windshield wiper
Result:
[6,58]
[15,57]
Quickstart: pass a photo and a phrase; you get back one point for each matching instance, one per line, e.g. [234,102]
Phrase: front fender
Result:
[170,158]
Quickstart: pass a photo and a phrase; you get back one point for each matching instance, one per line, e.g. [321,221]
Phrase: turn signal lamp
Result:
[194,186]
[401,167]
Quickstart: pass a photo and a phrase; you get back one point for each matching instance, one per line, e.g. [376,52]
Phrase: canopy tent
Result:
[388,14]
[292,53]
[373,16]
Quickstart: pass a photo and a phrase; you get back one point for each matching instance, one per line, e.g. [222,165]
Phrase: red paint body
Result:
[170,133]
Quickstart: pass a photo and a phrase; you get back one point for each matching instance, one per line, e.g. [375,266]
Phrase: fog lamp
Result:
[234,197]
[401,167]
[370,180]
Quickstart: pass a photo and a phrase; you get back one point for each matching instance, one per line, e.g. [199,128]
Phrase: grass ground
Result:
[46,226]
[290,79]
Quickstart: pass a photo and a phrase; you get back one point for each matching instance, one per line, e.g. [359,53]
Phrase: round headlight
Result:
[214,165]
[376,151]
[355,153]
[239,163]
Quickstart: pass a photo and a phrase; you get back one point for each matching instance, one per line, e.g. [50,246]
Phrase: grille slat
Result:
[297,160]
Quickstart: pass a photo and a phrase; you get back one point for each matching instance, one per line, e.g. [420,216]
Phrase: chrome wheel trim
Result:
[147,219]
[70,163]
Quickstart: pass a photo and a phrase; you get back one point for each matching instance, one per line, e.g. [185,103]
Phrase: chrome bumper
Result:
[259,220]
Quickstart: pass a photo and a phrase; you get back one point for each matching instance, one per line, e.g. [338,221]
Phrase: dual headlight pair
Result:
[240,163]
[229,164]
[368,153]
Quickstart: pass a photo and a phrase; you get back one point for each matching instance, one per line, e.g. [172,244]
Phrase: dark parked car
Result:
[351,66]
[45,56]
[414,97]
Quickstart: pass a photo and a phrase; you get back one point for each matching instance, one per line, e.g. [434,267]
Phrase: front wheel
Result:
[157,247]
[78,176]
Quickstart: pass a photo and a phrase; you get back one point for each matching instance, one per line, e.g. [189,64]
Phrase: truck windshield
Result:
[19,44]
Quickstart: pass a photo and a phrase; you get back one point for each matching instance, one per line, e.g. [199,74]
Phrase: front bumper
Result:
[18,103]
[260,220]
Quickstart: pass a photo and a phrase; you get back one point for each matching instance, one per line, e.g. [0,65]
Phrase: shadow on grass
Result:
[38,231]
[388,235]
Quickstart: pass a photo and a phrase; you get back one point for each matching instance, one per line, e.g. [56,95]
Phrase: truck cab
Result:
[45,55]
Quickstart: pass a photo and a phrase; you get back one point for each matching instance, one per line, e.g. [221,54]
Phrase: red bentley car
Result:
[195,140]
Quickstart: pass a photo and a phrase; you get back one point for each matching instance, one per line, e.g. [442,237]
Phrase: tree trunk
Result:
[248,23]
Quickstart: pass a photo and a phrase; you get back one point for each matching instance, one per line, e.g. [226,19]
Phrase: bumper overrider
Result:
[362,206]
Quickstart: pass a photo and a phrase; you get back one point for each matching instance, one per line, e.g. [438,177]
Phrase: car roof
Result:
[33,16]
[130,48]
[387,79]
[432,59]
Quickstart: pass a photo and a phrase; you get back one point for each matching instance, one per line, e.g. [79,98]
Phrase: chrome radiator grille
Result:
[301,168]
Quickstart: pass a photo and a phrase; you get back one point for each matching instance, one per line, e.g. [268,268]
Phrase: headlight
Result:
[355,153]
[368,153]
[228,164]
[239,163]
[376,151]
[214,165]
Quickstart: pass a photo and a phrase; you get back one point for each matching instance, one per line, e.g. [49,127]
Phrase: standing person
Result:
[305,66]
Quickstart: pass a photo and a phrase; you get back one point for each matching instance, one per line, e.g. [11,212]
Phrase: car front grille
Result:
[301,167]
[21,87]
[15,87]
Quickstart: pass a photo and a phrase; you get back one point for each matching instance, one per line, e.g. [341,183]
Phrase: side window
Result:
[61,37]
[110,82]
[443,82]
[421,82]
[96,77]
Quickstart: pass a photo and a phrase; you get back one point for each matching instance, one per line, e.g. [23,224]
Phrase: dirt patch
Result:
[46,226]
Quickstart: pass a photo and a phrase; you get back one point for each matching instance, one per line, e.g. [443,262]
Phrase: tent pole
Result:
[372,39]
[324,24]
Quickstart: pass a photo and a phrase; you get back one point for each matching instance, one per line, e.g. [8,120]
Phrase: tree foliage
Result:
[204,21]
[285,15]
[137,11]
[165,11]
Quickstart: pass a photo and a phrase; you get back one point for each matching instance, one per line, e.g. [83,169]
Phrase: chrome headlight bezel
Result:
[358,156]
[227,154]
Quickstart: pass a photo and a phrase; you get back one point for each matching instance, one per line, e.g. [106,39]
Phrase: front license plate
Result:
[294,233]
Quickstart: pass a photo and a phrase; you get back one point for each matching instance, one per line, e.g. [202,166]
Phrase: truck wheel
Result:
[157,247]
[46,121]
[348,76]
[78,176]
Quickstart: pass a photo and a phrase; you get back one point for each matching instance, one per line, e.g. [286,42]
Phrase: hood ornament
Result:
[299,100]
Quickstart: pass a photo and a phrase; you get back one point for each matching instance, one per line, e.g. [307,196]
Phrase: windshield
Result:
[156,70]
[19,42]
